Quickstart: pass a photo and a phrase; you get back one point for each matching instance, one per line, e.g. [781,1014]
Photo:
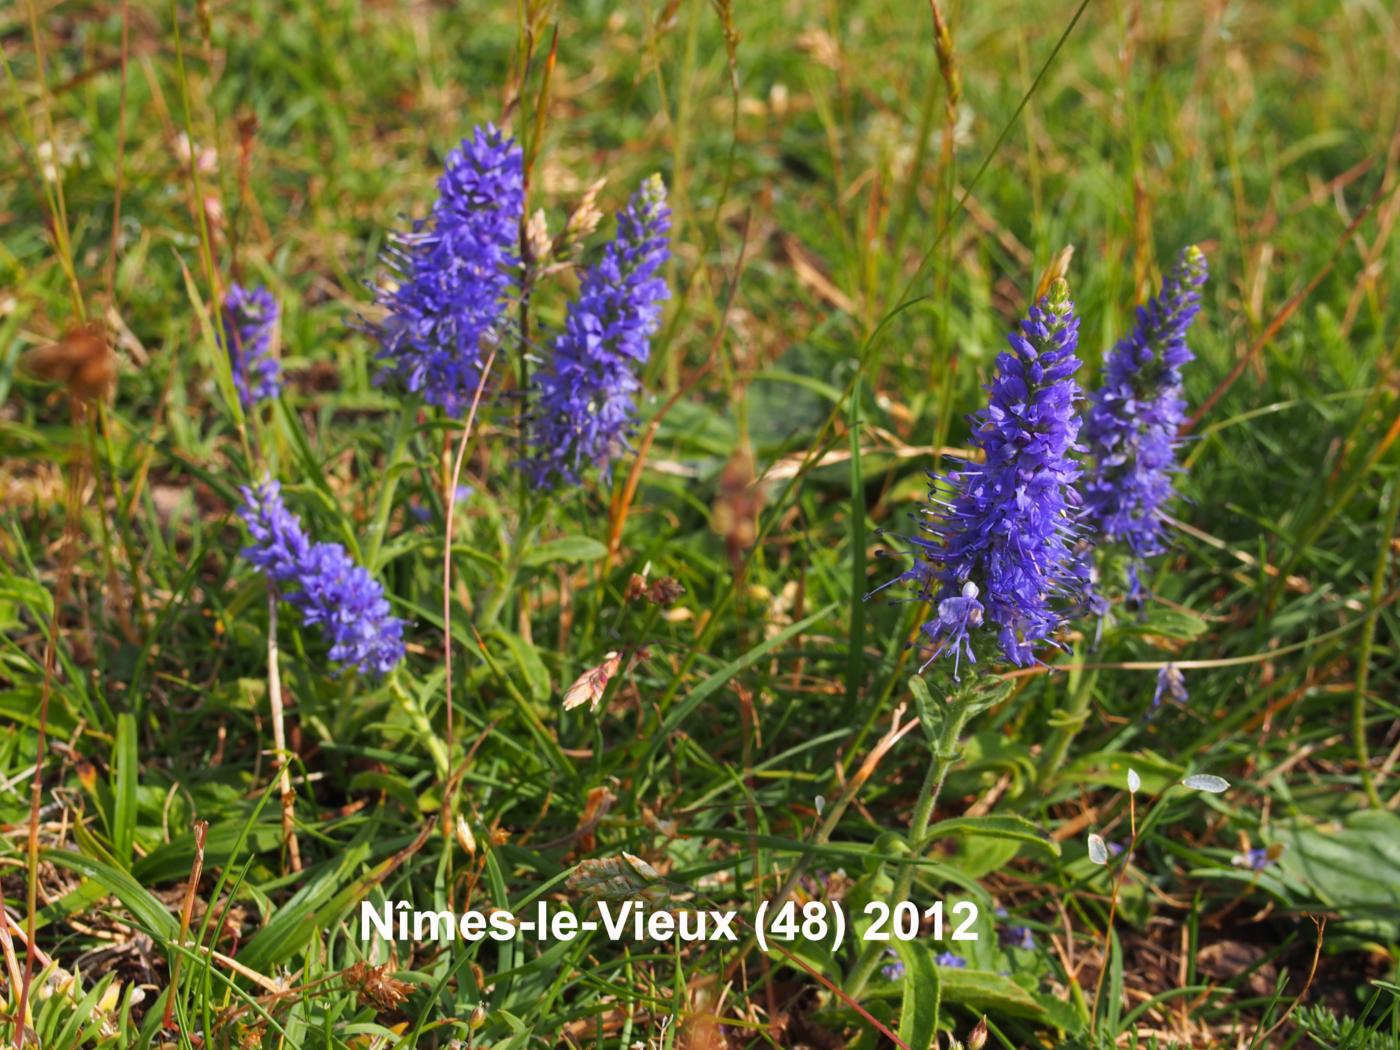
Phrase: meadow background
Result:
[855,230]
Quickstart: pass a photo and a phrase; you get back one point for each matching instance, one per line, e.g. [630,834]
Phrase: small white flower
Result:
[1134,781]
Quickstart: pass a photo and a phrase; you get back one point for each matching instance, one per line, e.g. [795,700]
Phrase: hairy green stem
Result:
[942,760]
[1368,636]
[403,428]
[422,727]
[1067,726]
[526,531]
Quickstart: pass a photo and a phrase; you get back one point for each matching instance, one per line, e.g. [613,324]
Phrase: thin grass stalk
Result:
[924,264]
[53,191]
[1068,725]
[60,595]
[279,738]
[952,81]
[450,503]
[109,276]
[1113,909]
[201,829]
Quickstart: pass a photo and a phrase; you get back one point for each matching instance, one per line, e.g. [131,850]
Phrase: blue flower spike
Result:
[321,581]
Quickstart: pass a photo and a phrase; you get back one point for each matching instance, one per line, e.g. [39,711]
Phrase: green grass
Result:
[844,290]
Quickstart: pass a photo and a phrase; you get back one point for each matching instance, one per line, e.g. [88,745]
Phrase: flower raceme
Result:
[585,396]
[999,549]
[1134,417]
[249,318]
[454,274]
[1171,683]
[323,583]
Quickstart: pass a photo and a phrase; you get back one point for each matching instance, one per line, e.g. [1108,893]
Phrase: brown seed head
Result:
[82,360]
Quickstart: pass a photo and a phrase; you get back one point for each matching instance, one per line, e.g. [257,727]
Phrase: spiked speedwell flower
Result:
[454,274]
[1001,548]
[585,396]
[249,317]
[1171,683]
[322,583]
[1134,417]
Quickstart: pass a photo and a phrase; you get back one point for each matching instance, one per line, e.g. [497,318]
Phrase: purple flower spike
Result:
[454,274]
[1171,683]
[322,583]
[1135,415]
[1001,548]
[249,319]
[949,959]
[585,396]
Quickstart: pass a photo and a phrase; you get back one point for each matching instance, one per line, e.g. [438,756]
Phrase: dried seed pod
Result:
[82,360]
[665,592]
[537,238]
[737,505]
[584,219]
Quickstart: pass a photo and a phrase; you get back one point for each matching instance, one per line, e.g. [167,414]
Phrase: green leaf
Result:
[293,925]
[566,548]
[172,860]
[987,756]
[999,826]
[84,1019]
[988,992]
[717,680]
[1110,768]
[1180,624]
[1349,867]
[124,789]
[918,1014]
[20,706]
[30,594]
[1114,1006]
[146,909]
[976,855]
[930,713]
[391,784]
[527,661]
